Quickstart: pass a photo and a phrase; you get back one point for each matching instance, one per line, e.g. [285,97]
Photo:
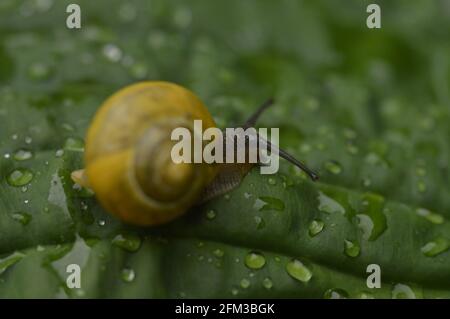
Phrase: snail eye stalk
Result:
[252,121]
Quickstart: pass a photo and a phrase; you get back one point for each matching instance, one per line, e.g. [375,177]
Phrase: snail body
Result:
[128,155]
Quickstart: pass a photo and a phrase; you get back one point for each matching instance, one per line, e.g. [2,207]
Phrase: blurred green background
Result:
[368,109]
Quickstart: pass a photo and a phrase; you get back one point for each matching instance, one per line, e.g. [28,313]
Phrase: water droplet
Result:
[211,214]
[39,71]
[315,227]
[272,181]
[201,258]
[139,70]
[22,155]
[7,155]
[101,222]
[127,275]
[329,205]
[200,244]
[277,259]
[26,201]
[227,197]
[247,195]
[420,171]
[365,223]
[335,293]
[366,182]
[67,126]
[369,216]
[350,134]
[333,167]
[297,270]
[237,260]
[268,203]
[127,12]
[435,247]
[182,17]
[351,248]
[19,177]
[245,283]
[352,149]
[112,52]
[234,291]
[365,295]
[421,187]
[267,283]
[59,153]
[218,253]
[74,144]
[401,291]
[128,242]
[255,260]
[84,206]
[10,260]
[375,159]
[260,223]
[431,217]
[21,217]
[28,140]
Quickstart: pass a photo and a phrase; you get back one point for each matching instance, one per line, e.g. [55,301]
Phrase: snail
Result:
[128,155]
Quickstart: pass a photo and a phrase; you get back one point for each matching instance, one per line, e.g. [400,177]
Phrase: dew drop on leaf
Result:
[333,167]
[39,71]
[74,144]
[329,205]
[23,155]
[9,261]
[255,260]
[365,295]
[335,293]
[401,291]
[420,171]
[127,275]
[267,283]
[366,182]
[21,217]
[421,187]
[218,252]
[128,242]
[59,153]
[245,283]
[297,270]
[352,149]
[436,247]
[315,227]
[19,177]
[431,217]
[351,248]
[269,203]
[211,214]
[260,223]
[112,52]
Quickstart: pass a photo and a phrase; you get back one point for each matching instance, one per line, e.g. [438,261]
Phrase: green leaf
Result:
[357,107]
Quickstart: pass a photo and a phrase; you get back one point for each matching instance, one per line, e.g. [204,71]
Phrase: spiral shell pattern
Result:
[128,153]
